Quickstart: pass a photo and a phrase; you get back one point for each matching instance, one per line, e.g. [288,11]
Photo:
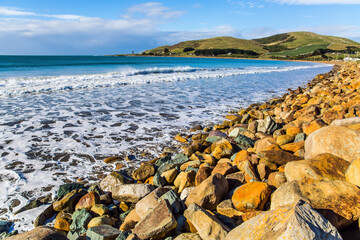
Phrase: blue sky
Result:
[119,26]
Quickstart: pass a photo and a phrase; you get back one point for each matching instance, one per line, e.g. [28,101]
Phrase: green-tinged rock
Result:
[123,235]
[300,137]
[123,215]
[104,232]
[173,200]
[32,204]
[66,188]
[188,169]
[69,201]
[158,180]
[80,220]
[73,235]
[244,141]
[213,139]
[162,160]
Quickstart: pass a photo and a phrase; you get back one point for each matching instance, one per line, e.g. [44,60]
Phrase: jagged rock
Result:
[99,210]
[226,208]
[320,167]
[48,213]
[203,173]
[251,196]
[131,192]
[170,175]
[207,225]
[295,221]
[185,179]
[130,221]
[209,193]
[337,201]
[103,232]
[157,223]
[337,140]
[223,168]
[173,199]
[223,149]
[145,205]
[235,179]
[42,232]
[66,188]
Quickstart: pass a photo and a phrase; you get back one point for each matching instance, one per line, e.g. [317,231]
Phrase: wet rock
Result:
[66,188]
[42,232]
[88,201]
[337,140]
[295,221]
[143,172]
[320,167]
[131,192]
[337,201]
[209,193]
[80,220]
[157,223]
[69,201]
[251,196]
[48,213]
[279,157]
[103,232]
[207,225]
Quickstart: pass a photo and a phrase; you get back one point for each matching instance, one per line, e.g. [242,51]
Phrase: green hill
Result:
[294,45]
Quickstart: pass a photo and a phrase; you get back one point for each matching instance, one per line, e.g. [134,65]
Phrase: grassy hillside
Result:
[294,45]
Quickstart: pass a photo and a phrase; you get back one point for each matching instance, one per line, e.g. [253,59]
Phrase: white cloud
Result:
[152,10]
[316,2]
[6,11]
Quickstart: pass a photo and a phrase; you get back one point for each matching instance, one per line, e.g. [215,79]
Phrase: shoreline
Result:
[223,157]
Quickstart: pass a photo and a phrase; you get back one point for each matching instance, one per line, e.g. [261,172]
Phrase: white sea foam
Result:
[33,85]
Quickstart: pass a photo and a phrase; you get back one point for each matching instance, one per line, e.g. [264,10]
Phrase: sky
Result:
[100,27]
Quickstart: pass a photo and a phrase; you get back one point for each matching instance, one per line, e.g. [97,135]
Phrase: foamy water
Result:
[56,129]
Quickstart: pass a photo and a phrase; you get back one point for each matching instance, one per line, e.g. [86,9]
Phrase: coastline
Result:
[230,148]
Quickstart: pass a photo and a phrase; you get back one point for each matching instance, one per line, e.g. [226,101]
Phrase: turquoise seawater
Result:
[61,115]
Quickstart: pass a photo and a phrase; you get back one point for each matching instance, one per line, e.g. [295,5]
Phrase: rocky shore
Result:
[285,169]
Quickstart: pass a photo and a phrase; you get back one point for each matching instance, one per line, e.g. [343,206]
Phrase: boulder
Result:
[240,157]
[251,196]
[62,223]
[103,232]
[143,172]
[223,149]
[284,139]
[188,236]
[320,167]
[226,208]
[279,157]
[173,199]
[145,205]
[309,128]
[296,221]
[337,201]
[39,233]
[352,174]
[235,179]
[346,121]
[131,192]
[157,223]
[293,147]
[209,193]
[207,225]
[170,175]
[88,201]
[276,179]
[337,140]
[99,210]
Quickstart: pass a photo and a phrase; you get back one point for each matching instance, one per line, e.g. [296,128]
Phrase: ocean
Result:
[62,115]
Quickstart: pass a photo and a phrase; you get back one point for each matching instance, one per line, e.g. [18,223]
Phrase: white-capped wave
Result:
[33,85]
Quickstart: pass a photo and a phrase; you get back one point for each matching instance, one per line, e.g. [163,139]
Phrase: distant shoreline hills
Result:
[292,46]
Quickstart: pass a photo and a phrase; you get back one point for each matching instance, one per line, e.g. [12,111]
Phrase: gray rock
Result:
[103,232]
[300,137]
[80,220]
[295,221]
